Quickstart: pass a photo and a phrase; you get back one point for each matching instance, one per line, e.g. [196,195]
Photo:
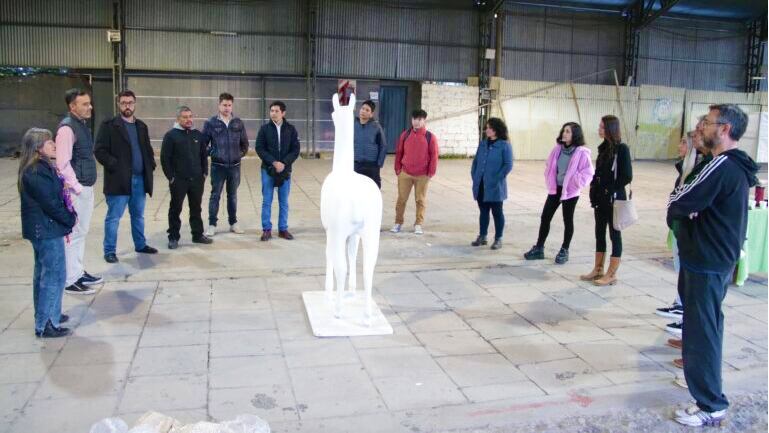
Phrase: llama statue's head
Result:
[343,117]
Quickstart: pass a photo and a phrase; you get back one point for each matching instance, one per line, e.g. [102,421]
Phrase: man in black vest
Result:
[184,159]
[76,163]
[277,144]
[123,148]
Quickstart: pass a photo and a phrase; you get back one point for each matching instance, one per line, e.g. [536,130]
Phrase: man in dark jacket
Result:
[710,217]
[227,144]
[123,148]
[370,145]
[277,144]
[184,159]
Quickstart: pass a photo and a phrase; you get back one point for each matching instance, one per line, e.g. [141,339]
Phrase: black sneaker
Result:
[147,250]
[111,258]
[90,280]
[173,244]
[674,311]
[497,244]
[562,257]
[535,253]
[51,331]
[480,240]
[79,289]
[676,328]
[202,239]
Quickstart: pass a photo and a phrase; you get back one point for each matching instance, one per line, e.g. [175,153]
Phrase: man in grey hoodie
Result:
[370,145]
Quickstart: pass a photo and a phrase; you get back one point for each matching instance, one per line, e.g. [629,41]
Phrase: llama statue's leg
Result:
[352,254]
[370,253]
[329,267]
[340,271]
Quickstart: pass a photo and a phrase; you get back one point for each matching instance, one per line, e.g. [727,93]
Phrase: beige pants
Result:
[405,183]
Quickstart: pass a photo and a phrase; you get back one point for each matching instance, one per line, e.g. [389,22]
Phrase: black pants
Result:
[221,177]
[370,170]
[495,208]
[604,216]
[703,335]
[551,205]
[193,190]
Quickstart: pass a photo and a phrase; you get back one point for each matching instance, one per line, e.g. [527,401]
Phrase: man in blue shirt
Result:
[123,148]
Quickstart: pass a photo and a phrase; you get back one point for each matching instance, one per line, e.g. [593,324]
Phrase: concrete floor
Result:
[484,341]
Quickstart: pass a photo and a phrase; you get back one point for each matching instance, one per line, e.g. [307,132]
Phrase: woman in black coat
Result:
[47,217]
[613,171]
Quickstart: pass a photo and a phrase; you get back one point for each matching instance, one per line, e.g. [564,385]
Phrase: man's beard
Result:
[127,113]
[710,143]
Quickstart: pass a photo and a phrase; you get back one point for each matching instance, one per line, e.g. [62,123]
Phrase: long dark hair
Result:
[499,127]
[577,138]
[31,143]
[612,137]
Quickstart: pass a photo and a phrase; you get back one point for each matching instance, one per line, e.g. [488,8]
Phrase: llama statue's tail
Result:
[344,117]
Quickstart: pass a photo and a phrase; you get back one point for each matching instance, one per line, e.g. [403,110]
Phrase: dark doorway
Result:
[392,113]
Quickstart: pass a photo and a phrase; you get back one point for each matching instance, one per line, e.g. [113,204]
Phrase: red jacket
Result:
[415,155]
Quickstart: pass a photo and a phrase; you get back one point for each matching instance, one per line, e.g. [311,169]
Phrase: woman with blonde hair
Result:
[47,216]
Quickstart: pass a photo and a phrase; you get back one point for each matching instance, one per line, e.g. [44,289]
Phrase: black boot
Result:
[535,253]
[497,244]
[480,240]
[562,257]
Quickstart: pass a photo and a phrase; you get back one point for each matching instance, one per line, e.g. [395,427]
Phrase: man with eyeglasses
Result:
[123,148]
[710,218]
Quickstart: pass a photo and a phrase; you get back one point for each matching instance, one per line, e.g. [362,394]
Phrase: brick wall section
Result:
[457,133]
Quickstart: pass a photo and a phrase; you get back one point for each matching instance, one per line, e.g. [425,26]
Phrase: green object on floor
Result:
[754,253]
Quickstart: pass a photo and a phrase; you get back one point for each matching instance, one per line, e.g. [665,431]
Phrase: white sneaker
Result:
[235,228]
[211,231]
[396,228]
[695,417]
[418,230]
[680,380]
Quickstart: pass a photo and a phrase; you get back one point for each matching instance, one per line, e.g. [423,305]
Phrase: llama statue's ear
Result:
[335,101]
[351,104]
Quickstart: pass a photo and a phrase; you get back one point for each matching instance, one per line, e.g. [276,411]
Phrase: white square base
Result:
[320,311]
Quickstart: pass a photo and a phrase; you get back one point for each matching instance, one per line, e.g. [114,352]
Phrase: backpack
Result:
[428,137]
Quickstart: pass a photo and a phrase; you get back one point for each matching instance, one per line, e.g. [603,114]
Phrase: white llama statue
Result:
[350,210]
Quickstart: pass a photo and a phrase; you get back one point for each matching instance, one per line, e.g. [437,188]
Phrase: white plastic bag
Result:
[109,425]
[247,423]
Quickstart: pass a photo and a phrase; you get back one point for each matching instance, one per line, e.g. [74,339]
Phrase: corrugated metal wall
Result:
[44,33]
[692,54]
[371,40]
[176,35]
[555,45]
[375,40]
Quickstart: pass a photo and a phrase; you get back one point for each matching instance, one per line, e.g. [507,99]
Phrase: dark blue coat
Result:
[491,165]
[43,212]
[268,148]
[227,143]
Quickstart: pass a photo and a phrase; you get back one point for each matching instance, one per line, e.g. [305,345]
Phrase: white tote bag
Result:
[625,214]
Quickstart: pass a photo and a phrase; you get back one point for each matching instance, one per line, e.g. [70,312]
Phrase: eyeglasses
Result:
[706,122]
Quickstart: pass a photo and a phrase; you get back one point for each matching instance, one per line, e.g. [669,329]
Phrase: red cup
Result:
[759,194]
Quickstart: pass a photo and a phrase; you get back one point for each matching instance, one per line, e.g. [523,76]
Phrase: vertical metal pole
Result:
[500,23]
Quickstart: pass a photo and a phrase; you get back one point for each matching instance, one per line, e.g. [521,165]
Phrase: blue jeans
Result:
[268,185]
[116,205]
[220,176]
[48,281]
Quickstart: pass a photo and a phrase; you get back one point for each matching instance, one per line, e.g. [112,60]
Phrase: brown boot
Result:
[611,274]
[597,271]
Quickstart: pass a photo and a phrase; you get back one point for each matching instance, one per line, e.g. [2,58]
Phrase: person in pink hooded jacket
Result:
[567,171]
